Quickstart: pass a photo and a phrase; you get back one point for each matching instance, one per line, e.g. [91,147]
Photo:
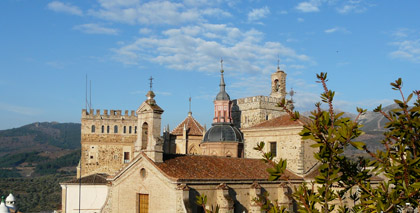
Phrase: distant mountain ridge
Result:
[40,136]
[373,128]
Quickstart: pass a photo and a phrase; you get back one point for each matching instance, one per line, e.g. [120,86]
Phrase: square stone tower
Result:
[149,120]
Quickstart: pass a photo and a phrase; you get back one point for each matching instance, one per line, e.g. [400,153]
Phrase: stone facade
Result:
[130,183]
[284,140]
[167,193]
[107,140]
[249,111]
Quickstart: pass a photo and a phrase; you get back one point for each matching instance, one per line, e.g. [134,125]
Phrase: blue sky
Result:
[48,47]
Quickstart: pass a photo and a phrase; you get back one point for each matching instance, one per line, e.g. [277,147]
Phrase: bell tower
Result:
[278,83]
[149,124]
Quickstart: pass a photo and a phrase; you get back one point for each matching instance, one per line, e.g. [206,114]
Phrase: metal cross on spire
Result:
[151,82]
[190,103]
[221,65]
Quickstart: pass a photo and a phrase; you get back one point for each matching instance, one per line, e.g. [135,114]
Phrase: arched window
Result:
[144,134]
[115,129]
[276,85]
[107,129]
[129,130]
[125,129]
[93,128]
[135,129]
[103,129]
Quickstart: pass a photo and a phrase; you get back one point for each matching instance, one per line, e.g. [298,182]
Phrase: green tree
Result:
[333,133]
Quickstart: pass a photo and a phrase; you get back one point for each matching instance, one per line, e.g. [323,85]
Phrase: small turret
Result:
[11,201]
[3,207]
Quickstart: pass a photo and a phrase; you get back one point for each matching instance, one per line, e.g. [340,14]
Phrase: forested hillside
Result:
[34,159]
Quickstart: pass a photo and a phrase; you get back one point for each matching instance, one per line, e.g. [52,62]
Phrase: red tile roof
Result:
[283,120]
[192,126]
[199,167]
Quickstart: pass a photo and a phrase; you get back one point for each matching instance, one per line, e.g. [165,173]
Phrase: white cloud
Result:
[118,3]
[300,20]
[407,50]
[145,31]
[92,28]
[155,12]
[297,66]
[191,48]
[257,14]
[402,33]
[283,12]
[336,29]
[357,6]
[342,7]
[309,6]
[217,12]
[407,42]
[57,6]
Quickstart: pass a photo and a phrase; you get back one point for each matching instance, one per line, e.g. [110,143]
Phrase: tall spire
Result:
[189,112]
[222,80]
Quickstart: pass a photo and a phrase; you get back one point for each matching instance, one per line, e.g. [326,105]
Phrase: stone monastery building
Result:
[126,164]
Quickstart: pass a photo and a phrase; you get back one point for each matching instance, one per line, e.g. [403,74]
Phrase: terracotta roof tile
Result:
[283,120]
[199,167]
[193,127]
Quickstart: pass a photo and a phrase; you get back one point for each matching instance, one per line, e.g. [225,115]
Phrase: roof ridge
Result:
[179,125]
[188,124]
[198,125]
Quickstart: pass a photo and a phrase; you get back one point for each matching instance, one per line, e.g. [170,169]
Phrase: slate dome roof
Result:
[220,132]
[222,95]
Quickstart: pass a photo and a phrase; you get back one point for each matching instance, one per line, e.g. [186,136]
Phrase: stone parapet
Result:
[111,114]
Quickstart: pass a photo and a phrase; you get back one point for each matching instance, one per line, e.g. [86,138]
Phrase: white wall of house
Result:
[93,198]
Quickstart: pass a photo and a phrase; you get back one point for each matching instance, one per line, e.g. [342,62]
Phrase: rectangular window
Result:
[143,202]
[129,130]
[273,148]
[126,157]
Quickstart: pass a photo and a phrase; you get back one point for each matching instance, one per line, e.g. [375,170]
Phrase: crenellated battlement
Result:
[258,99]
[108,114]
